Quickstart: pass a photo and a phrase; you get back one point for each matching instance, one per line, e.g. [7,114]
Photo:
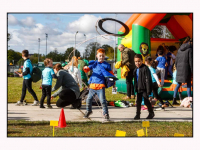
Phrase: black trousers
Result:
[146,102]
[155,92]
[129,83]
[27,84]
[66,97]
[46,92]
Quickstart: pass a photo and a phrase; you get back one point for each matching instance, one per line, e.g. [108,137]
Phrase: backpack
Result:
[36,74]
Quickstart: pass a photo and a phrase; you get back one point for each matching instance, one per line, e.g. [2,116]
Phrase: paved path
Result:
[34,113]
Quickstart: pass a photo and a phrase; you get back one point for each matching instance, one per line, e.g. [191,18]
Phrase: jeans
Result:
[129,83]
[188,88]
[46,92]
[101,95]
[27,84]
[168,68]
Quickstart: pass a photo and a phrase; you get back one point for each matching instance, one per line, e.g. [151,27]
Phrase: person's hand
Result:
[52,97]
[21,75]
[159,85]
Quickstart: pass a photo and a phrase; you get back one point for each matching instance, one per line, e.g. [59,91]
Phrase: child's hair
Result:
[57,66]
[101,50]
[138,56]
[46,61]
[25,53]
[161,48]
[74,60]
[160,52]
[150,61]
[172,48]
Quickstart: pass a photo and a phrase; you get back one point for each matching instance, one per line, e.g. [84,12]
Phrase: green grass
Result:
[15,90]
[96,129]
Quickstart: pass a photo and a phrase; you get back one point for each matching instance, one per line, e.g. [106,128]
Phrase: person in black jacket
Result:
[143,86]
[184,66]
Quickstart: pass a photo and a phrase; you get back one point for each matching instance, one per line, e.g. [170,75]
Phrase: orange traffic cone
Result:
[62,122]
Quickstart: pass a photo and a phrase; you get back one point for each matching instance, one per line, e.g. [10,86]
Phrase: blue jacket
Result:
[27,69]
[47,75]
[100,72]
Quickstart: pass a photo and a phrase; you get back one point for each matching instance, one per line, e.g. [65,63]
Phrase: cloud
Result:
[12,20]
[27,22]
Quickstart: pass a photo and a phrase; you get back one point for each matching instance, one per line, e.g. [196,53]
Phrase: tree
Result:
[109,51]
[90,50]
[69,54]
[8,36]
[13,56]
[157,32]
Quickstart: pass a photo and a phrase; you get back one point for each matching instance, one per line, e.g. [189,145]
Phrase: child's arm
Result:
[157,80]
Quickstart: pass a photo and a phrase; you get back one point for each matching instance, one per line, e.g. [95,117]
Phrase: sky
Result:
[25,29]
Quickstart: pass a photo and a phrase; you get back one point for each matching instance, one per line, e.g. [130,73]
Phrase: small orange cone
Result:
[62,122]
[40,87]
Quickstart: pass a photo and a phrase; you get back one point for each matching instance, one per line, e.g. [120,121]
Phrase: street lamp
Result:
[38,49]
[85,43]
[115,37]
[75,42]
[46,43]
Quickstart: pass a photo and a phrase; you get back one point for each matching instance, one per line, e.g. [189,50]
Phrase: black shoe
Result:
[106,117]
[77,104]
[87,114]
[150,116]
[174,102]
[49,107]
[42,106]
[137,117]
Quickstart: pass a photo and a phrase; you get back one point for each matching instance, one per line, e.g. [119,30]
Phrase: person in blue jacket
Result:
[47,75]
[27,82]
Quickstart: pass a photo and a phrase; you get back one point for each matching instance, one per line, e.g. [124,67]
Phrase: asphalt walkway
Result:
[34,113]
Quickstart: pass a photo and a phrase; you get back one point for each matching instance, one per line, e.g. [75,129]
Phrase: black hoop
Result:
[124,25]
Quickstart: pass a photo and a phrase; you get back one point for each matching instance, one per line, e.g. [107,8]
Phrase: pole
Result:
[38,49]
[46,44]
[96,46]
[75,42]
[85,43]
[115,37]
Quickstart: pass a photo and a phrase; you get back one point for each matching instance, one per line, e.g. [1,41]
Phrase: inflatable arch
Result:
[140,26]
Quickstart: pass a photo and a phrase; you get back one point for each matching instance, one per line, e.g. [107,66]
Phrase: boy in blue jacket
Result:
[27,82]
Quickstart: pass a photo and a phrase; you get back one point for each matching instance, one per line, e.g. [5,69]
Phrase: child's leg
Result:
[139,101]
[102,98]
[180,95]
[28,83]
[43,96]
[89,100]
[23,91]
[48,91]
[162,76]
[155,92]
[176,89]
[189,88]
[170,70]
[147,102]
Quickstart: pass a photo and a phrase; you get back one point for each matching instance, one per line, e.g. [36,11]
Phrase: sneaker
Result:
[42,106]
[106,117]
[25,103]
[137,117]
[35,103]
[87,114]
[19,103]
[49,107]
[150,116]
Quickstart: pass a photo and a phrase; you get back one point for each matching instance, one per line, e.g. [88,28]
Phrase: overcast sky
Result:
[25,29]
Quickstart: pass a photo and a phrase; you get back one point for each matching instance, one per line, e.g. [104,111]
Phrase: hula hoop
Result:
[105,19]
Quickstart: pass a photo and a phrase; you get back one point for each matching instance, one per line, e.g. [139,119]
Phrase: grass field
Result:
[15,90]
[96,129]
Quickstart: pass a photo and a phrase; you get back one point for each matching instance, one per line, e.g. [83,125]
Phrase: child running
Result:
[173,86]
[47,75]
[143,86]
[161,64]
[156,83]
[27,82]
[97,83]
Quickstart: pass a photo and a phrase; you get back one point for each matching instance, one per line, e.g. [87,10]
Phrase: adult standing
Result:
[184,66]
[68,88]
[128,60]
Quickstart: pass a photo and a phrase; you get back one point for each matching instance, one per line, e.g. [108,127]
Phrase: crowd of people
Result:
[71,77]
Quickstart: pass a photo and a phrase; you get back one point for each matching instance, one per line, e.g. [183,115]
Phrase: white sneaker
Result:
[36,103]
[19,103]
